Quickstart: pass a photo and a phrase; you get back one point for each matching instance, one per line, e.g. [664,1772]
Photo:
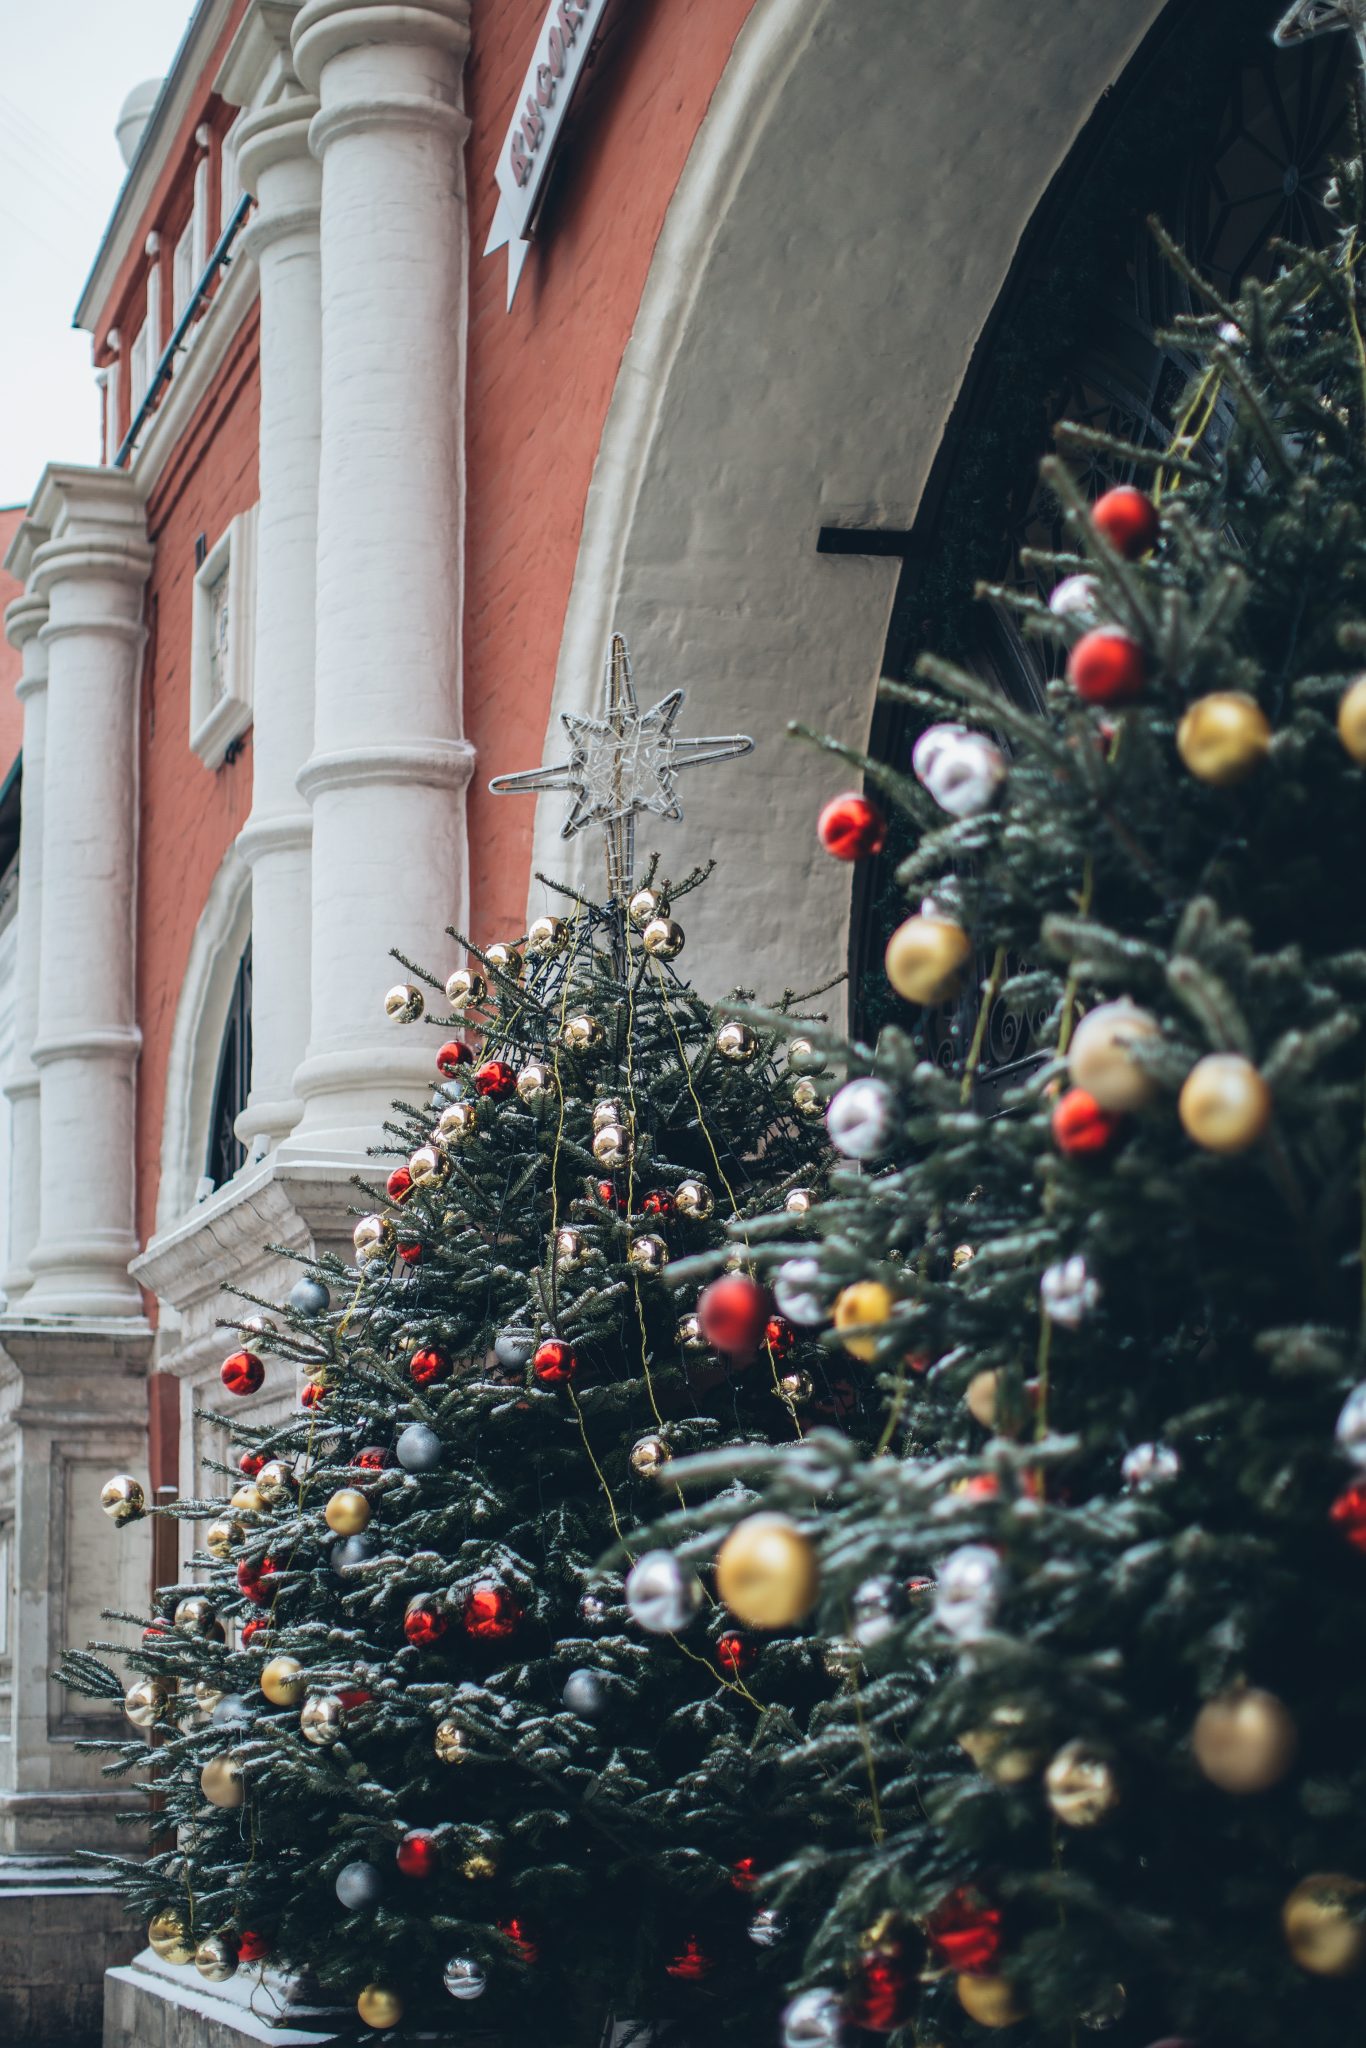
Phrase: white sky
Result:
[66,69]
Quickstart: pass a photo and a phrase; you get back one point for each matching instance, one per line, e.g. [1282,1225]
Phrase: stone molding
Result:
[326,29]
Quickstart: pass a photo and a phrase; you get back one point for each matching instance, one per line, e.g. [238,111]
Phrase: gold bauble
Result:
[450,1743]
[404,1003]
[1081,1785]
[609,1110]
[534,1084]
[1100,1057]
[145,1702]
[347,1512]
[650,1254]
[284,1681]
[804,1056]
[465,987]
[457,1124]
[925,959]
[196,1614]
[1225,1105]
[688,1334]
[1324,1927]
[221,1781]
[694,1199]
[996,1750]
[648,1457]
[866,1301]
[373,1238]
[963,1255]
[1352,721]
[220,1536]
[643,908]
[797,1201]
[570,1247]
[766,1572]
[991,2001]
[275,1482]
[545,934]
[796,1388]
[505,961]
[216,1958]
[122,1499]
[807,1099]
[248,1500]
[1223,738]
[735,1041]
[428,1166]
[322,1719]
[581,1031]
[611,1147]
[206,1696]
[981,1398]
[479,1866]
[662,938]
[168,1939]
[379,2007]
[1244,1740]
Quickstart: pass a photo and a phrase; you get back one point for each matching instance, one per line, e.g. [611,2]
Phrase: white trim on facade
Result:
[222,645]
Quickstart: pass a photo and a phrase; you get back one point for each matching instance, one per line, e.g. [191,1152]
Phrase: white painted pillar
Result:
[23,621]
[91,572]
[387,776]
[278,169]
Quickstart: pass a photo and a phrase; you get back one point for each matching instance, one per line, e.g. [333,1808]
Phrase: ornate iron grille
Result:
[226,1151]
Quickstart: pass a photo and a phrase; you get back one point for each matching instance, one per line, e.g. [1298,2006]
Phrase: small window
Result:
[139,368]
[233,1082]
[221,647]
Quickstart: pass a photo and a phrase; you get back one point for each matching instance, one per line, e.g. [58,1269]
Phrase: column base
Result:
[349,1096]
[149,2003]
[59,1933]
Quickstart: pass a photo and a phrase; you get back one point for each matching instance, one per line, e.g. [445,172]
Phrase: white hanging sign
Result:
[552,75]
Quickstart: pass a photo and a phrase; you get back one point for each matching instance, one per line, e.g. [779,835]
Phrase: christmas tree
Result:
[409,1736]
[1098,1585]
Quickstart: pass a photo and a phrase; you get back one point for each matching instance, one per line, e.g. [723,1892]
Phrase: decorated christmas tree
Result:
[408,1736]
[1098,1586]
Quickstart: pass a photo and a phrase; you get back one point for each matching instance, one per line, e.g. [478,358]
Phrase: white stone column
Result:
[279,170]
[91,573]
[387,776]
[23,621]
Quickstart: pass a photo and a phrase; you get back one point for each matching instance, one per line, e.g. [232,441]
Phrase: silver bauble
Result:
[322,1719]
[662,1593]
[418,1448]
[861,1118]
[309,1297]
[814,2019]
[694,1199]
[1150,1466]
[463,1977]
[1351,1427]
[805,1058]
[584,1694]
[1078,600]
[228,1708]
[648,1457]
[767,1928]
[1069,1292]
[968,1591]
[594,1610]
[359,1886]
[513,1347]
[962,770]
[353,1551]
[874,1611]
[799,1290]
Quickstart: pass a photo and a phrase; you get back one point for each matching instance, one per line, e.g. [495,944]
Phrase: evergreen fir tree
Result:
[1098,1587]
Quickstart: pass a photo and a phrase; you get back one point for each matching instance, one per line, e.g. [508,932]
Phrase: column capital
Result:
[324,29]
[24,620]
[272,136]
[97,528]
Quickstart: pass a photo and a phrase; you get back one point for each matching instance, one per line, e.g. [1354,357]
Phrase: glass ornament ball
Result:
[611,1145]
[251,1462]
[662,939]
[1352,720]
[464,987]
[875,1607]
[1244,1740]
[1106,2011]
[735,1041]
[284,1681]
[167,1937]
[312,1394]
[608,1110]
[230,1708]
[322,1721]
[964,1930]
[1224,1105]
[926,960]
[216,1958]
[464,1978]
[309,1297]
[371,1458]
[424,1621]
[796,1388]
[347,1512]
[1325,1930]
[780,1339]
[861,1118]
[256,1578]
[145,1702]
[1148,1467]
[450,1743]
[1350,1430]
[767,1928]
[1100,1057]
[1069,1292]
[223,1536]
[736,1654]
[766,1572]
[581,1032]
[452,1056]
[648,1457]
[1106,667]
[851,827]
[1077,600]
[553,1363]
[490,1614]
[418,1853]
[505,960]
[658,1203]
[242,1372]
[694,1200]
[688,1334]
[534,1084]
[991,2001]
[1081,1128]
[799,1290]
[1081,1785]
[968,1591]
[275,1482]
[1224,738]
[733,1312]
[221,1781]
[404,1003]
[807,1099]
[253,1945]
[458,1124]
[814,2019]
[804,1057]
[797,1201]
[359,1886]
[648,1254]
[884,1985]
[398,1184]
[352,1552]
[962,770]
[662,1593]
[997,1748]
[379,2006]
[544,935]
[861,1312]
[428,1365]
[494,1080]
[513,1346]
[428,1167]
[571,1247]
[585,1694]
[373,1239]
[196,1616]
[1127,518]
[595,1610]
[643,908]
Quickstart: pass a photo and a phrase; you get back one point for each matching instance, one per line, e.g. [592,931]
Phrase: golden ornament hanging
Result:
[991,2001]
[373,1238]
[221,1536]
[735,1041]
[545,934]
[806,1098]
[662,938]
[457,1124]
[450,1743]
[464,987]
[795,1388]
[168,1939]
[688,1334]
[404,1003]
[379,2007]
[534,1084]
[648,1254]
[429,1165]
[322,1721]
[284,1681]
[206,1696]
[611,1146]
[695,1200]
[766,1572]
[505,961]
[1225,1105]
[995,1747]
[981,1398]
[1325,1929]
[648,1457]
[865,1301]
[609,1110]
[1244,1740]
[122,1498]
[221,1781]
[925,959]
[145,1702]
[1223,738]
[347,1512]
[248,1500]
[1100,1058]
[216,1958]
[797,1201]
[196,1614]
[581,1032]
[1081,1785]
[643,908]
[963,1255]
[570,1247]
[1352,721]
[275,1482]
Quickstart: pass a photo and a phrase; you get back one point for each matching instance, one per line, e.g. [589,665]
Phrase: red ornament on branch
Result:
[1348,1513]
[554,1363]
[1127,518]
[515,1930]
[242,1372]
[779,1337]
[411,1254]
[424,1623]
[494,1079]
[1080,1125]
[251,1462]
[252,1945]
[608,1196]
[374,1458]
[734,1313]
[419,1853]
[851,827]
[965,1929]
[311,1394]
[744,1873]
[398,1184]
[1106,667]
[452,1056]
[490,1614]
[256,1579]
[257,1626]
[659,1203]
[735,1653]
[884,1984]
[692,1963]
[428,1365]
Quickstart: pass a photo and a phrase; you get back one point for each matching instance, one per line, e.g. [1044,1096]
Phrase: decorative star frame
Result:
[622,764]
[1309,18]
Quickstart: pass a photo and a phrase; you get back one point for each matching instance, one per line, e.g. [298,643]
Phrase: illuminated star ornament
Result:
[622,764]
[1308,18]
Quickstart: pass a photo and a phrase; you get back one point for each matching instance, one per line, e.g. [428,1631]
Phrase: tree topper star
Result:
[1309,18]
[622,764]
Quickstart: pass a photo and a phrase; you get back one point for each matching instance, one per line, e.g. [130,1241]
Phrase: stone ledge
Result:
[149,2003]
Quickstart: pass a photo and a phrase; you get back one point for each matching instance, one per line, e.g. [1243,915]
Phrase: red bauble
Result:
[851,827]
[1128,520]
[252,1945]
[257,1626]
[153,1628]
[242,1373]
[411,1254]
[733,1313]
[424,1623]
[692,1963]
[494,1079]
[1106,667]
[780,1337]
[554,1363]
[453,1055]
[428,1365]
[659,1203]
[966,1930]
[1080,1125]
[398,1184]
[312,1394]
[735,1653]
[515,1930]
[419,1853]
[257,1580]
[374,1458]
[352,1698]
[490,1613]
[607,1194]
[882,1991]
[744,1873]
[1348,1513]
[251,1462]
